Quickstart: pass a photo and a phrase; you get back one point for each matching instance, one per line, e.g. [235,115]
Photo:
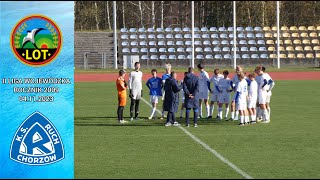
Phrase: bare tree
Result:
[108,16]
[162,14]
[96,15]
[123,15]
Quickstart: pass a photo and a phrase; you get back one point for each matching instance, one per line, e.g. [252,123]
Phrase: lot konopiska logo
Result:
[36,40]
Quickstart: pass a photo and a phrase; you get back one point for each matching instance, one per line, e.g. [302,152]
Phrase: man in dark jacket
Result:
[191,89]
[171,99]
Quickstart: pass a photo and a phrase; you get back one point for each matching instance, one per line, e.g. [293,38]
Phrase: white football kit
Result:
[215,81]
[253,94]
[135,84]
[262,91]
[242,88]
[224,86]
[203,86]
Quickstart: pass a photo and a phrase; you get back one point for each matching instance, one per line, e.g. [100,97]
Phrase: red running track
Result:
[111,77]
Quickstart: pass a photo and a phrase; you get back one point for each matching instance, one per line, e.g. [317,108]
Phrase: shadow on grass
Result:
[112,121]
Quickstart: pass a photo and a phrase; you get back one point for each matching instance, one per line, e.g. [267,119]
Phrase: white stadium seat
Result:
[222,29]
[186,29]
[124,43]
[261,42]
[144,57]
[142,30]
[259,35]
[223,36]
[197,36]
[206,42]
[123,30]
[154,57]
[179,43]
[215,42]
[161,43]
[172,56]
[209,56]
[250,35]
[124,36]
[245,56]
[257,28]
[181,56]
[263,49]
[244,49]
[178,36]
[225,49]
[153,50]
[240,29]
[196,29]
[133,36]
[230,29]
[243,42]
[253,49]
[152,43]
[163,57]
[168,29]
[205,36]
[264,56]
[159,30]
[215,36]
[125,50]
[134,50]
[207,49]
[241,35]
[231,35]
[237,49]
[171,50]
[249,29]
[216,49]
[187,36]
[254,56]
[170,43]
[198,49]
[197,43]
[189,56]
[204,29]
[144,50]
[225,42]
[132,30]
[169,36]
[177,29]
[252,42]
[160,36]
[150,30]
[151,36]
[180,49]
[143,43]
[213,29]
[188,43]
[189,49]
[217,56]
[162,49]
[227,56]
[142,36]
[199,56]
[134,43]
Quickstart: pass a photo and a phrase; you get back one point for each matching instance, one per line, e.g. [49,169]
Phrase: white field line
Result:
[214,152]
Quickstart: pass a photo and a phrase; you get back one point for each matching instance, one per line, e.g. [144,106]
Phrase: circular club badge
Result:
[36,40]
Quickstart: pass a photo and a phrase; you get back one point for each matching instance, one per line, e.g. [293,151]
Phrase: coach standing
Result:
[135,87]
[191,89]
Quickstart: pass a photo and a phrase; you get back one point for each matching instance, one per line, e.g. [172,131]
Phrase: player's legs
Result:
[207,107]
[200,106]
[227,110]
[181,109]
[211,109]
[220,111]
[242,120]
[187,116]
[132,105]
[195,116]
[154,101]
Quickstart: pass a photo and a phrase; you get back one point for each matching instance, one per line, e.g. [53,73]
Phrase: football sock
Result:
[232,114]
[227,111]
[208,110]
[220,112]
[211,109]
[237,114]
[153,111]
[242,119]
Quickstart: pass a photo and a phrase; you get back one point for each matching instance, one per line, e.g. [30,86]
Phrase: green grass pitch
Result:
[288,147]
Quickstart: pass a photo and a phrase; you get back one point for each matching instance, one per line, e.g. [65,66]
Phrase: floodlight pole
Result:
[192,33]
[234,36]
[278,34]
[115,50]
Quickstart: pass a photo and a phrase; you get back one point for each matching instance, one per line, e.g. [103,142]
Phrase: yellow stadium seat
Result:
[293,28]
[315,41]
[290,55]
[288,41]
[306,41]
[318,55]
[300,55]
[310,55]
[313,34]
[274,28]
[296,41]
[289,48]
[268,35]
[267,28]
[318,28]
[281,42]
[308,48]
[316,48]
[273,55]
[302,28]
[283,56]
[270,41]
[284,28]
[271,48]
[298,48]
[286,35]
[311,28]
[304,34]
[294,35]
